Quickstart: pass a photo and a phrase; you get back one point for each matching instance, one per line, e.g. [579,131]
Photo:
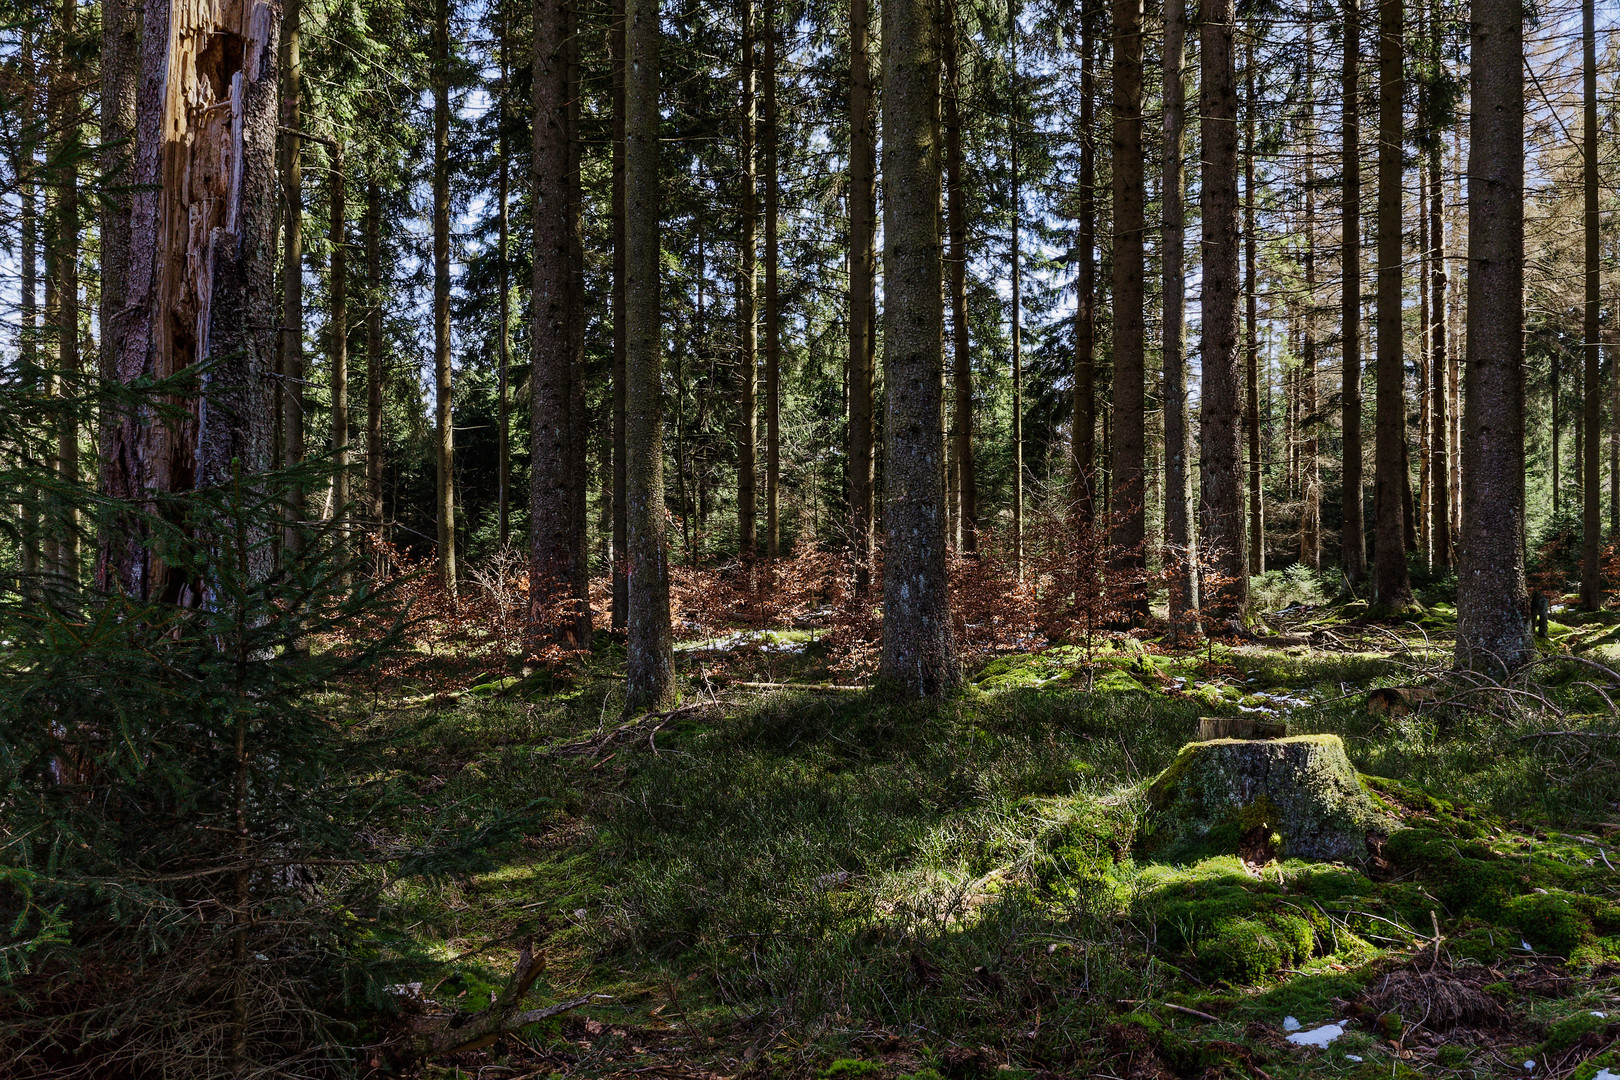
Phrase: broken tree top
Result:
[1296,797]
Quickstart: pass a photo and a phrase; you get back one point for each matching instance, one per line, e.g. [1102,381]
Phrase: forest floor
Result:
[815,883]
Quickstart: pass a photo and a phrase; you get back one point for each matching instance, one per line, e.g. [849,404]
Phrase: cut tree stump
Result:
[1268,798]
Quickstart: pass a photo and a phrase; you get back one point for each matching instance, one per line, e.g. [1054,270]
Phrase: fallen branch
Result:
[815,688]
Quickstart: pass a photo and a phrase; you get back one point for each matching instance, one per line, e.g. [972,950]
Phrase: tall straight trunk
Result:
[1017,324]
[1221,463]
[337,332]
[1439,368]
[578,466]
[919,654]
[1084,423]
[1129,532]
[1391,589]
[374,348]
[23,167]
[1352,540]
[747,298]
[650,682]
[1251,331]
[1456,342]
[445,502]
[617,566]
[1493,626]
[292,267]
[64,234]
[503,475]
[1178,537]
[201,256]
[1614,441]
[1555,396]
[1592,386]
[862,290]
[1310,473]
[773,312]
[120,68]
[956,274]
[1425,376]
[553,552]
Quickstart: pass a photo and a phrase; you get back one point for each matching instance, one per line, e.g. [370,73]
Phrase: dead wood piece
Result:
[815,688]
[1239,727]
[1399,700]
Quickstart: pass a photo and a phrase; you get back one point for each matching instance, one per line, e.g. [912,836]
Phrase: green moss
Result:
[1246,950]
[1605,950]
[1565,1033]
[1551,921]
[849,1068]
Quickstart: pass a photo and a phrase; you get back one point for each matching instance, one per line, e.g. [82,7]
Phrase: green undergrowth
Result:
[799,884]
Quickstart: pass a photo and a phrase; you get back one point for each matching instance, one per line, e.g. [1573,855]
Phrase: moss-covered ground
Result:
[797,884]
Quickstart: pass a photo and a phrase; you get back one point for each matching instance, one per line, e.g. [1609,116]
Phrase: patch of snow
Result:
[1291,1023]
[1318,1036]
[1605,1074]
[1525,945]
[1530,1066]
[1353,1057]
[1600,1015]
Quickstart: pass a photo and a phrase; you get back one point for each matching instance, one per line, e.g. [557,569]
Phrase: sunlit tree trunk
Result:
[1129,532]
[773,309]
[1221,515]
[1392,591]
[747,298]
[1084,413]
[62,234]
[1251,332]
[956,274]
[445,502]
[337,332]
[374,351]
[1353,544]
[919,655]
[292,267]
[1493,625]
[650,681]
[862,290]
[616,563]
[1591,387]
[1310,478]
[1178,536]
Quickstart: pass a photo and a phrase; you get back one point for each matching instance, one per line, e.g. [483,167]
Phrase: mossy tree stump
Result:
[1269,798]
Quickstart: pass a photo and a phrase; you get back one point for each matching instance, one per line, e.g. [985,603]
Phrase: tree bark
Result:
[862,291]
[1128,534]
[200,284]
[1221,514]
[1493,625]
[552,550]
[1352,540]
[1084,412]
[747,297]
[292,270]
[1591,386]
[63,235]
[503,475]
[374,348]
[338,345]
[617,567]
[956,274]
[1439,368]
[773,312]
[24,166]
[1251,332]
[1310,475]
[650,682]
[578,471]
[1391,591]
[1180,545]
[444,421]
[919,656]
[120,69]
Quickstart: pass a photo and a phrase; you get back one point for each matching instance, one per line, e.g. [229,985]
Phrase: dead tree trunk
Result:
[202,254]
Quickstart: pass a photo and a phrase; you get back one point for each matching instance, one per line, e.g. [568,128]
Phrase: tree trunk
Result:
[747,300]
[956,272]
[1425,375]
[617,567]
[1084,422]
[1591,386]
[552,549]
[1310,473]
[1221,513]
[200,284]
[503,475]
[1017,288]
[443,419]
[120,69]
[338,346]
[64,234]
[862,290]
[650,682]
[374,348]
[1180,546]
[24,166]
[1251,331]
[292,269]
[1391,591]
[1129,525]
[578,471]
[919,656]
[1440,425]
[1353,544]
[773,329]
[1493,627]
